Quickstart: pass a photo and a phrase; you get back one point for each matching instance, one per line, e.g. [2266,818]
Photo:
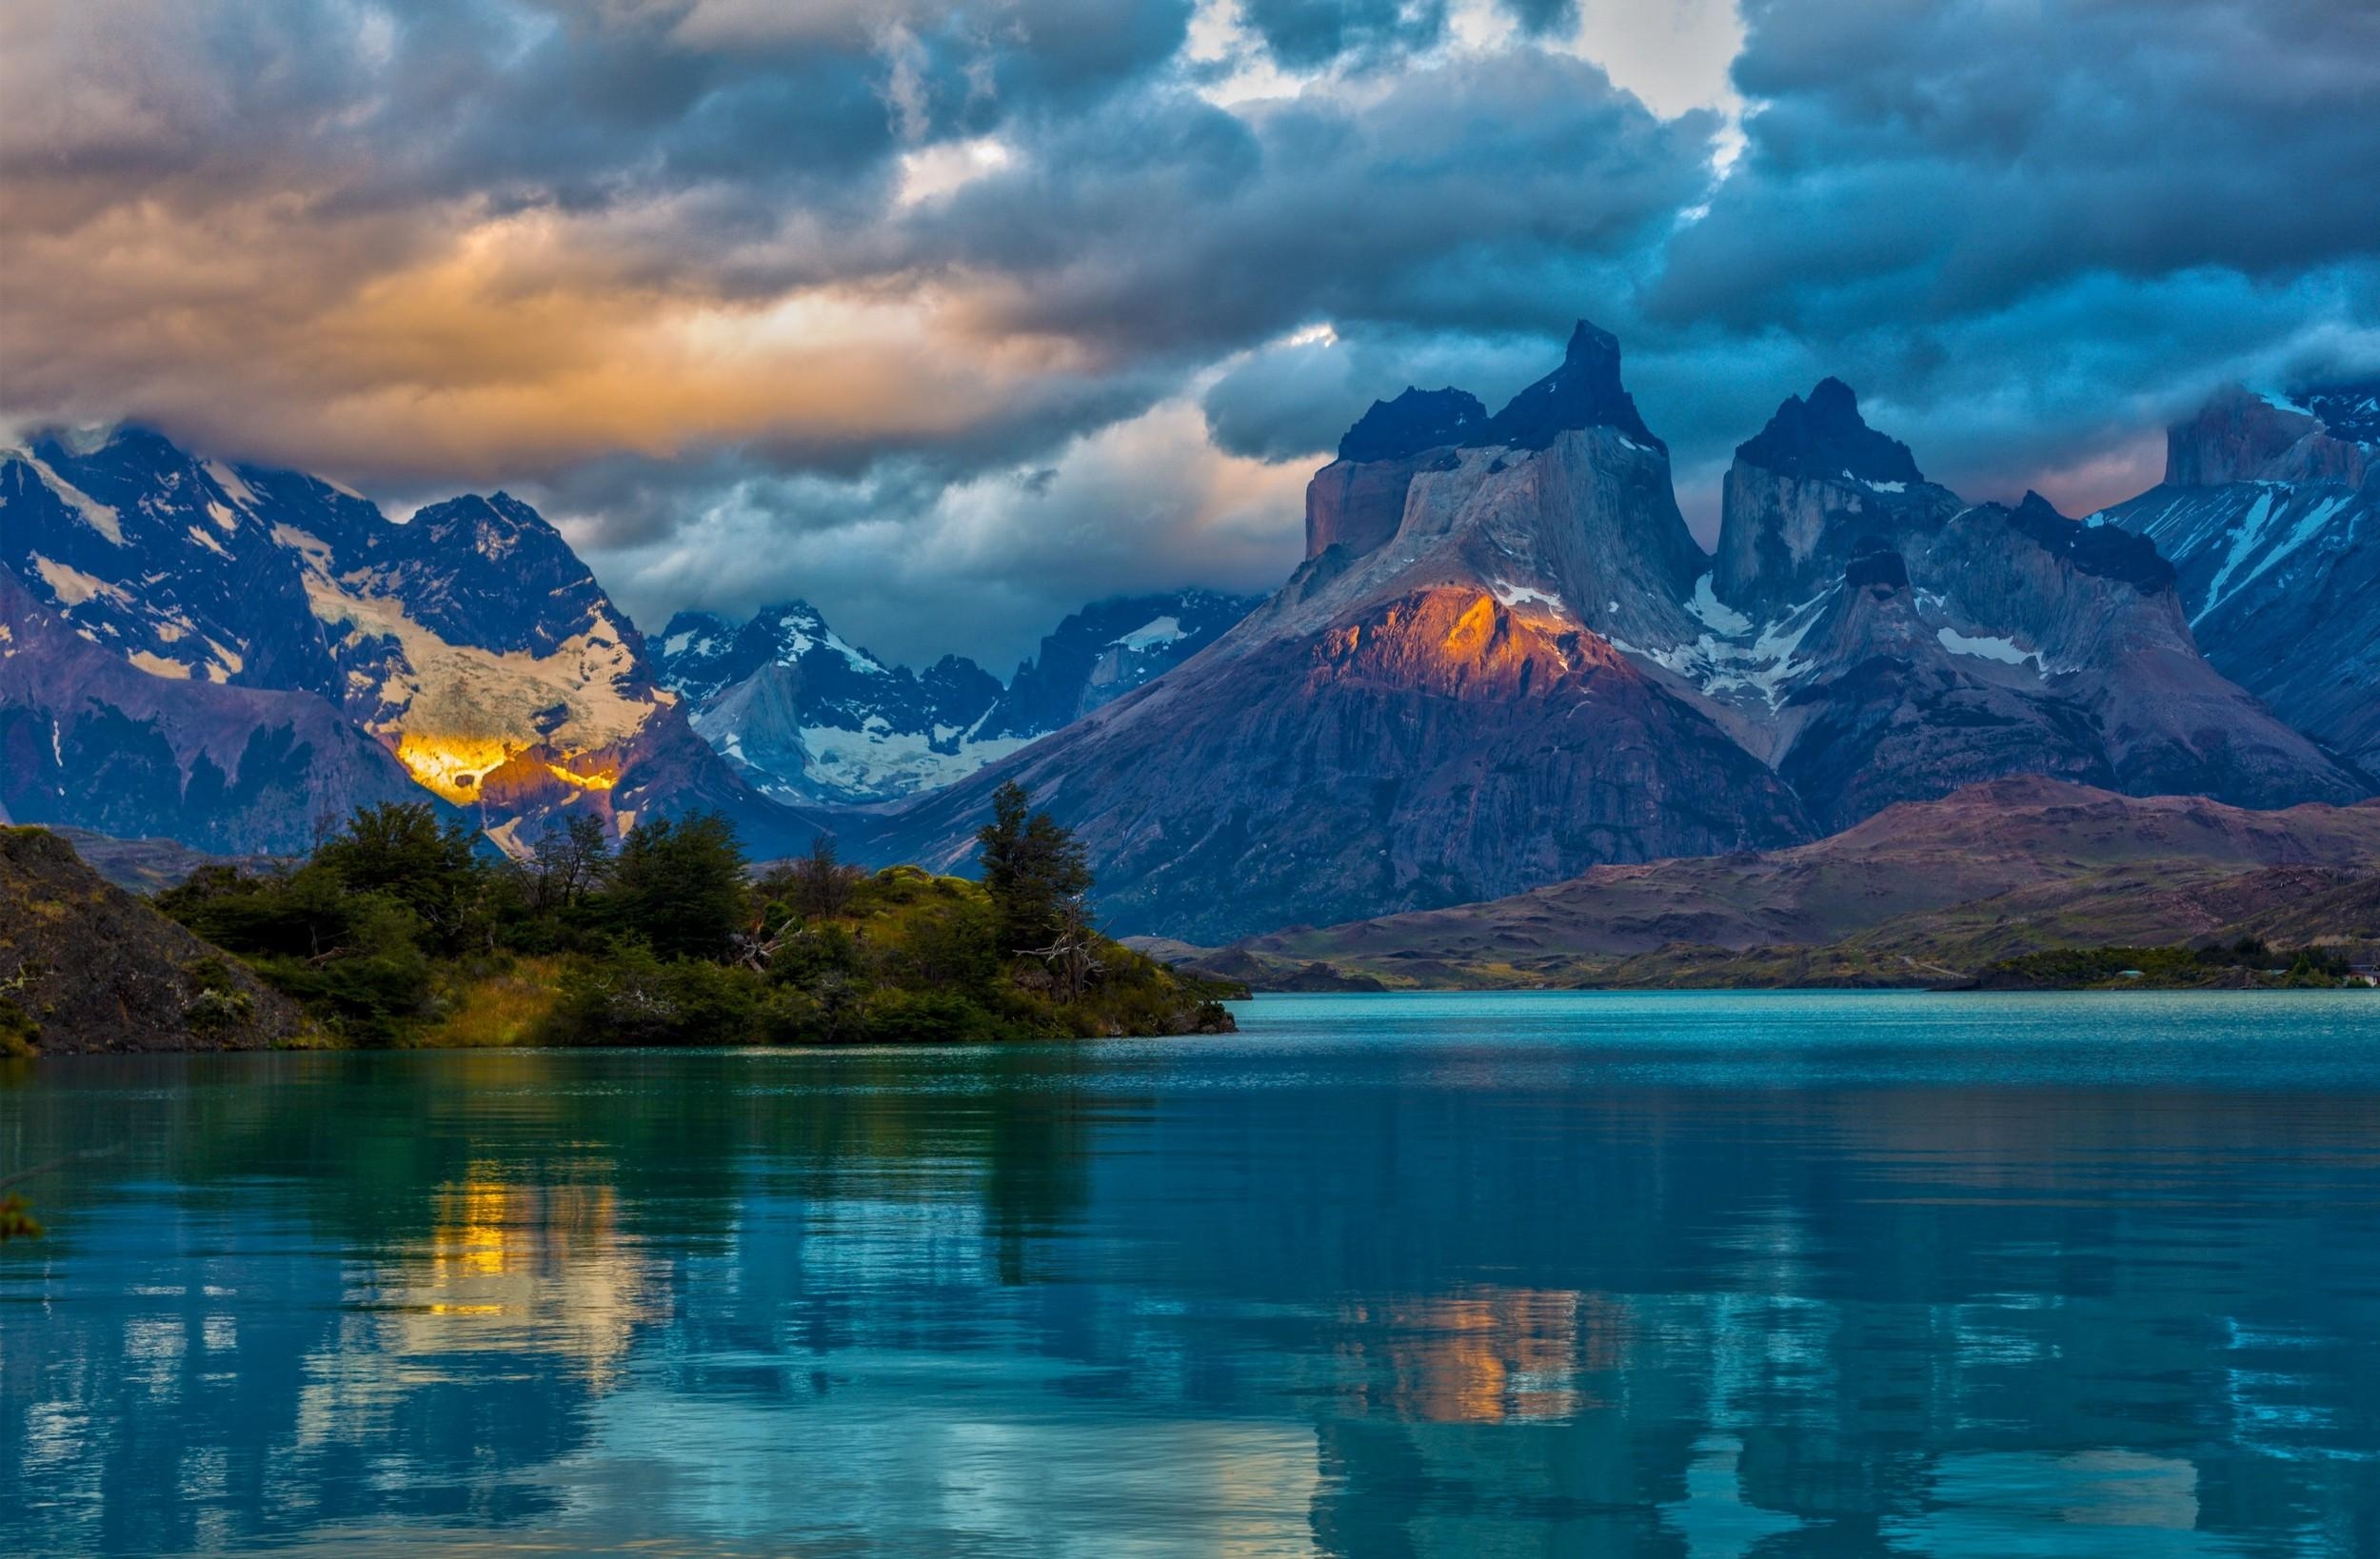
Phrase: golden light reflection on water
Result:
[513,1268]
[1484,1356]
[510,1265]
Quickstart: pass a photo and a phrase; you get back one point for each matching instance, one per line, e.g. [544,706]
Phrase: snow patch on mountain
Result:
[1985,647]
[1163,630]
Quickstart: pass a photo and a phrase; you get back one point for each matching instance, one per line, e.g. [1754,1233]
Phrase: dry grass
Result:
[495,1010]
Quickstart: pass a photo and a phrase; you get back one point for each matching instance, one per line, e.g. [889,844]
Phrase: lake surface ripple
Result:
[1523,1275]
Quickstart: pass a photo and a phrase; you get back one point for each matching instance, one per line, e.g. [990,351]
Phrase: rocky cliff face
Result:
[2240,436]
[469,640]
[1815,485]
[1879,640]
[2271,517]
[158,988]
[1427,710]
[86,967]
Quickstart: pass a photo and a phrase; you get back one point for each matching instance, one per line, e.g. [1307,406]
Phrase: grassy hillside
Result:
[1928,894]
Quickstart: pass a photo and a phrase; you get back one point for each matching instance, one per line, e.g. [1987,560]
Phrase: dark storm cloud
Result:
[2033,231]
[1928,161]
[1311,32]
[1169,224]
[952,313]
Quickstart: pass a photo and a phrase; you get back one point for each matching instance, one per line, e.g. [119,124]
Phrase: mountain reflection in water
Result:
[1666,1274]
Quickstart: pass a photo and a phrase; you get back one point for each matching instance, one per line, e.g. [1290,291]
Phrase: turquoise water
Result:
[1679,1275]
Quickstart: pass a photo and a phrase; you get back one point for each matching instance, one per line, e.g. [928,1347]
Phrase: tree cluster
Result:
[399,929]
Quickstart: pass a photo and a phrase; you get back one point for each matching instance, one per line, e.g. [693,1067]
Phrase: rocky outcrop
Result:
[2271,517]
[2240,436]
[86,968]
[1801,495]
[1415,420]
[1584,392]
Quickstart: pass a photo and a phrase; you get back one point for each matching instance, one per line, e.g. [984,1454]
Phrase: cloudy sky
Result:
[950,315]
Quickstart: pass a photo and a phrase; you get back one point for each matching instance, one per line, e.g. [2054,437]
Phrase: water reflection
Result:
[1534,1277]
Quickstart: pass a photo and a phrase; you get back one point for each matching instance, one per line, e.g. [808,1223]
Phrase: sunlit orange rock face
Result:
[1463,643]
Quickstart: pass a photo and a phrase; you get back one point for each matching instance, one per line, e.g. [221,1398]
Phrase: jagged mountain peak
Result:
[2347,409]
[1805,491]
[1584,392]
[1824,436]
[1415,420]
[469,643]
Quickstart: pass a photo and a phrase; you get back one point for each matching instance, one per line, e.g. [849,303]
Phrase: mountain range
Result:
[1504,662]
[807,717]
[230,655]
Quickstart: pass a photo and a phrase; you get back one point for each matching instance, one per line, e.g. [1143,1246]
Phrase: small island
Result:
[399,930]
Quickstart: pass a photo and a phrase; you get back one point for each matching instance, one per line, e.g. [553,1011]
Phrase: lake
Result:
[1682,1274]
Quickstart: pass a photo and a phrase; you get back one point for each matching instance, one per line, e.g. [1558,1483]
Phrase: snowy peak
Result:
[807,717]
[487,571]
[1105,650]
[468,641]
[2268,512]
[2346,410]
[1825,436]
[166,560]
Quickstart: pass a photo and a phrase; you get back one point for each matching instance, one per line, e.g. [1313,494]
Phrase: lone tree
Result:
[818,885]
[569,863]
[1034,871]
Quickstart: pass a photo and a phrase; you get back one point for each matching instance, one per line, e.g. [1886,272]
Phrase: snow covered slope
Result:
[2271,512]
